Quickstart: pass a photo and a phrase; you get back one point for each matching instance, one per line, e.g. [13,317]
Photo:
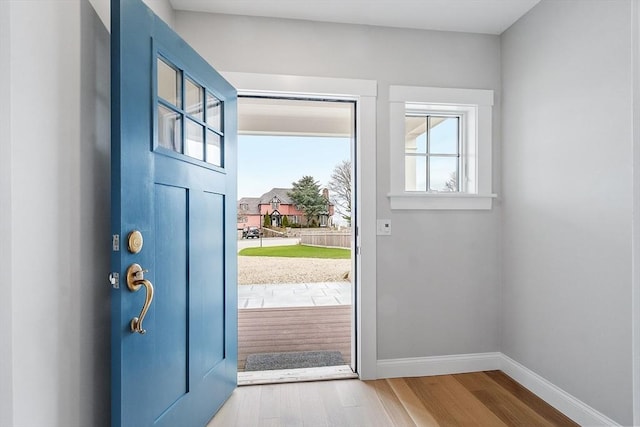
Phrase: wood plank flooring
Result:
[476,399]
[273,330]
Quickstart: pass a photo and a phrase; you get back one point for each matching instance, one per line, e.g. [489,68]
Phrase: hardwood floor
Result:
[476,399]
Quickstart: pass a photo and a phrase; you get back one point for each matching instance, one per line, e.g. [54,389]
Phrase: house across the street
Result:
[277,204]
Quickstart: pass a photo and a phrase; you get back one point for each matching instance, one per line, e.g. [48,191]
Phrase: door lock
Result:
[135,242]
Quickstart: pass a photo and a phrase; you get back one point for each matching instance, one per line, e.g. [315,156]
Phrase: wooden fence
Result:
[332,239]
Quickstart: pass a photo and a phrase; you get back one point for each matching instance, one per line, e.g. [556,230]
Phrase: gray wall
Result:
[567,173]
[162,8]
[6,348]
[438,274]
[54,192]
[54,221]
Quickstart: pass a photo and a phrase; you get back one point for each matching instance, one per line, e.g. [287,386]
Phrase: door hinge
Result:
[114,279]
[115,242]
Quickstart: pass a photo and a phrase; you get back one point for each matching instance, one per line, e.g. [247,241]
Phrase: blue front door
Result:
[174,327]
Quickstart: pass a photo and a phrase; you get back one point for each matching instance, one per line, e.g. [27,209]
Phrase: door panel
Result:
[168,325]
[211,300]
[173,175]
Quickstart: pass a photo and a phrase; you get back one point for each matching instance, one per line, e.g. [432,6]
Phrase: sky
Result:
[265,162]
[444,140]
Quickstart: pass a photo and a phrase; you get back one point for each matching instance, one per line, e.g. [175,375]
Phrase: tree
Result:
[340,187]
[267,220]
[285,221]
[305,194]
[452,184]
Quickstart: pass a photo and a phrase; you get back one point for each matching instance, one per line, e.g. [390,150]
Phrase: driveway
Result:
[253,270]
[269,241]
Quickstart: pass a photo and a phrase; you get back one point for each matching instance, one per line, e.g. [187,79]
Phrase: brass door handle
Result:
[136,280]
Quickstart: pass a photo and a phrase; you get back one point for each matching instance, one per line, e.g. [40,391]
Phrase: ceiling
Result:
[474,16]
[290,117]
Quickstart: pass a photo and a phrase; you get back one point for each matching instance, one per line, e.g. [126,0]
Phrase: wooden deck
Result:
[272,330]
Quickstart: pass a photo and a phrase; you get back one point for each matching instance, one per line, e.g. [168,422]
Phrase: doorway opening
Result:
[296,267]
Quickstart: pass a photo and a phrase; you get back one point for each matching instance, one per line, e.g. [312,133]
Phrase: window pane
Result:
[213,112]
[193,99]
[169,129]
[214,152]
[168,83]
[443,135]
[415,135]
[443,174]
[194,140]
[415,173]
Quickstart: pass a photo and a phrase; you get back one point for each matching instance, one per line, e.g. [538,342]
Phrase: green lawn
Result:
[298,251]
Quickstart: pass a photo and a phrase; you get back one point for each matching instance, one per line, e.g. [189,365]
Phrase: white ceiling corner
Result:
[473,16]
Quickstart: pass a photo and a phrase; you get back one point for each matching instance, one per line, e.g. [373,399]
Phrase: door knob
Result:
[135,281]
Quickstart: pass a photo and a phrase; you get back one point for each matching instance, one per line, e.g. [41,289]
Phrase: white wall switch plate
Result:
[384,227]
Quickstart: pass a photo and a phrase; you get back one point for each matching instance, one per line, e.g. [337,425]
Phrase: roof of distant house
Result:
[281,193]
[253,205]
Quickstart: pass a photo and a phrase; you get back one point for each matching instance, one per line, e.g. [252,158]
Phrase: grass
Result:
[298,251]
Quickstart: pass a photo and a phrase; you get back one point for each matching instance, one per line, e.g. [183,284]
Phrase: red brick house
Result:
[277,203]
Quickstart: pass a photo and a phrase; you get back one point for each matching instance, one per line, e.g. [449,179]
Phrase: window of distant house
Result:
[244,207]
[440,148]
[275,204]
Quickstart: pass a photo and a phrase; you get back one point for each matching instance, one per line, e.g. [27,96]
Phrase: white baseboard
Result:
[438,365]
[573,408]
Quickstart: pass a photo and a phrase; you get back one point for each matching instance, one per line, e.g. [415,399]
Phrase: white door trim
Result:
[364,92]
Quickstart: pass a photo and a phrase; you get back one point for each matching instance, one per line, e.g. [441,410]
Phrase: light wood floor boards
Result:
[476,399]
[273,330]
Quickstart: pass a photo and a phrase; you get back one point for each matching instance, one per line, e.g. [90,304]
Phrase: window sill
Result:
[441,201]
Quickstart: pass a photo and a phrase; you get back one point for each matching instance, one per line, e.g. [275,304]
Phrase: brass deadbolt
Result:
[135,241]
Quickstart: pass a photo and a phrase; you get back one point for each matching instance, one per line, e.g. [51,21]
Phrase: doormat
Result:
[292,360]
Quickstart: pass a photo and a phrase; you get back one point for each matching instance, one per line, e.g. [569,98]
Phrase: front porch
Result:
[286,329]
[294,317]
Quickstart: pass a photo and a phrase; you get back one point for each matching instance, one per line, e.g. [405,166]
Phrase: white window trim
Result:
[476,105]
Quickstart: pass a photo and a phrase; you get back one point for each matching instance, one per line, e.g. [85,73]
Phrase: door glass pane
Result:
[194,140]
[169,83]
[443,136]
[214,152]
[213,112]
[443,173]
[415,135]
[169,129]
[193,99]
[415,173]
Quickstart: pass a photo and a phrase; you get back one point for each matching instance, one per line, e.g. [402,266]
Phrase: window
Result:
[182,102]
[244,206]
[440,148]
[275,203]
[432,153]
